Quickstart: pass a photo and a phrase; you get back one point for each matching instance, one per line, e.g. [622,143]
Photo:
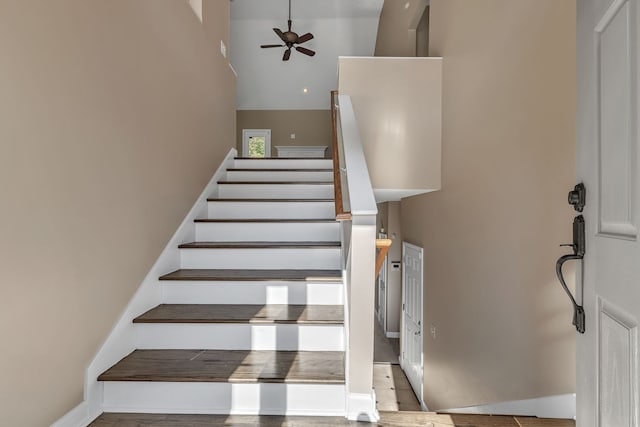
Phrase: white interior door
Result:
[381,308]
[411,354]
[256,142]
[607,159]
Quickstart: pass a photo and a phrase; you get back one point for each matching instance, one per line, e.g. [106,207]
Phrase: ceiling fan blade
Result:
[287,55]
[304,38]
[305,50]
[271,45]
[280,34]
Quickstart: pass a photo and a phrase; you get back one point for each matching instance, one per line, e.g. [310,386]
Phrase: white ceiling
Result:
[340,27]
[305,9]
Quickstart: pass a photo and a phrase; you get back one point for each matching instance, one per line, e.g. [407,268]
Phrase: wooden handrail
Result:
[383,246]
[341,214]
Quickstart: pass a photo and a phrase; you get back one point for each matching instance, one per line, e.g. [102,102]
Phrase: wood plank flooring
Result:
[258,245]
[270,200]
[387,419]
[333,276]
[282,158]
[235,366]
[277,170]
[275,182]
[221,313]
[267,220]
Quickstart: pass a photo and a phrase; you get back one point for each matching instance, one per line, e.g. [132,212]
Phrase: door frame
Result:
[248,133]
[382,294]
[403,338]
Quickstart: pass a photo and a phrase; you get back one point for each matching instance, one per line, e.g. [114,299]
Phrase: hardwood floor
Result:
[217,313]
[258,245]
[267,220]
[334,276]
[276,170]
[387,419]
[275,182]
[269,200]
[234,366]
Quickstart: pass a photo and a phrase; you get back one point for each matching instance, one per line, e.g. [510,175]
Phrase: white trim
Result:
[225,398]
[393,334]
[361,198]
[558,406]
[362,407]
[121,339]
[390,58]
[77,417]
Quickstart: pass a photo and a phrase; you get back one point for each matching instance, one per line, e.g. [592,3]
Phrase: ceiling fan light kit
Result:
[291,40]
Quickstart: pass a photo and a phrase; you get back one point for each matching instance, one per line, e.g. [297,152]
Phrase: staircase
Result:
[253,321]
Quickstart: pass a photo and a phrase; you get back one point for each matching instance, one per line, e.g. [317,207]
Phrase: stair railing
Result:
[356,210]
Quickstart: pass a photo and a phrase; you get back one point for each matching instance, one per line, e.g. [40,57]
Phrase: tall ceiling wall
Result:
[265,82]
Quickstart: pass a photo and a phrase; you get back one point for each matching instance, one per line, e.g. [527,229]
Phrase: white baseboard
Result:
[122,338]
[362,407]
[393,334]
[77,417]
[559,406]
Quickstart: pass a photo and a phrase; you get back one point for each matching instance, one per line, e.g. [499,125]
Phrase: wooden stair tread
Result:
[265,220]
[235,366]
[333,276]
[282,158]
[277,170]
[387,419]
[275,182]
[258,245]
[226,313]
[272,200]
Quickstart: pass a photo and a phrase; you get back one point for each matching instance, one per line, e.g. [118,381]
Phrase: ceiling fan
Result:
[290,40]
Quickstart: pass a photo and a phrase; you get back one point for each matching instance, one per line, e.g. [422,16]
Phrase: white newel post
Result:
[361,398]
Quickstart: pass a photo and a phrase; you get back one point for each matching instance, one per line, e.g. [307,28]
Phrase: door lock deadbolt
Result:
[577,197]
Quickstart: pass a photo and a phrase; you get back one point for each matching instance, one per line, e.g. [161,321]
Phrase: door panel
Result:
[618,373]
[607,159]
[616,57]
[412,283]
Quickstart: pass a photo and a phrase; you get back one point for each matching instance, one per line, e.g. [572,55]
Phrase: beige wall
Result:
[491,234]
[389,219]
[113,117]
[398,104]
[311,127]
[397,29]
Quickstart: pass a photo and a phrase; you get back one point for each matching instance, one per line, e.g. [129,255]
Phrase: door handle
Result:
[578,246]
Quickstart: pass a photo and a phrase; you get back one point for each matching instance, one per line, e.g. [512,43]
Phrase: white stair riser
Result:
[271,210]
[239,336]
[280,176]
[265,232]
[255,259]
[224,398]
[203,292]
[275,191]
[283,164]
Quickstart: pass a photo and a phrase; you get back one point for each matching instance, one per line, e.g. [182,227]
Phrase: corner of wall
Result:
[121,339]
